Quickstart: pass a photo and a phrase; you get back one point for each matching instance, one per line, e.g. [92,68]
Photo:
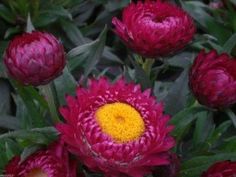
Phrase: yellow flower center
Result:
[120,121]
[36,173]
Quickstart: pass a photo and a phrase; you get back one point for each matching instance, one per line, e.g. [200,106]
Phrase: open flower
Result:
[51,162]
[221,169]
[212,79]
[154,28]
[116,128]
[34,58]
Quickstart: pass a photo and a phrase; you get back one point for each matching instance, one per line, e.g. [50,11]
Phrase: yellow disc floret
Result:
[120,121]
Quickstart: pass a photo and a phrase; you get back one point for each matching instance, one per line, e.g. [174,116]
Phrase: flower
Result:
[221,169]
[170,170]
[116,128]
[154,28]
[212,79]
[34,58]
[51,162]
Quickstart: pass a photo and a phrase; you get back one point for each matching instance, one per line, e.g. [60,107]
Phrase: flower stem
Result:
[147,66]
[48,92]
[231,115]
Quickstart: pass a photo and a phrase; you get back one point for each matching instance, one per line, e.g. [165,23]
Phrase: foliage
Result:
[203,136]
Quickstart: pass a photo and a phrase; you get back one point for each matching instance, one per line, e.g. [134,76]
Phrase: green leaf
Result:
[4,160]
[8,151]
[28,151]
[184,118]
[84,10]
[5,97]
[160,89]
[9,122]
[88,53]
[230,44]
[141,76]
[43,133]
[231,115]
[218,132]
[108,57]
[50,15]
[129,74]
[96,53]
[29,26]
[233,1]
[35,103]
[195,166]
[177,94]
[6,14]
[57,11]
[182,60]
[22,113]
[115,5]
[204,125]
[72,32]
[11,31]
[209,24]
[65,84]
[49,93]
[3,45]
[229,145]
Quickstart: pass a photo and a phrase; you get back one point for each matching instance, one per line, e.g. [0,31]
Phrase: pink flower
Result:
[221,169]
[51,162]
[212,79]
[154,28]
[34,58]
[116,129]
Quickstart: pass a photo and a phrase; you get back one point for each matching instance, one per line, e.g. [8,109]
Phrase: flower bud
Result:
[212,79]
[34,58]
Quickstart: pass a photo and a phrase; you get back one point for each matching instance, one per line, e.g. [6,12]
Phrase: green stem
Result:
[147,66]
[231,115]
[48,92]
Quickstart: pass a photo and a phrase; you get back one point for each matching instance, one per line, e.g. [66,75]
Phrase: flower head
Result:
[154,28]
[116,128]
[212,79]
[51,162]
[221,169]
[34,58]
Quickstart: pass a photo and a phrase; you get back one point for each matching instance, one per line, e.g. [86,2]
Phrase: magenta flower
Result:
[51,162]
[154,28]
[34,58]
[212,79]
[116,129]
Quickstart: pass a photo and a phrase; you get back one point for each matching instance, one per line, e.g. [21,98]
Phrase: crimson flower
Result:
[154,28]
[51,162]
[221,169]
[212,79]
[34,58]
[116,129]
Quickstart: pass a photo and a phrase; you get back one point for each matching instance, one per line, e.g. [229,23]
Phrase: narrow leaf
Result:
[29,26]
[230,44]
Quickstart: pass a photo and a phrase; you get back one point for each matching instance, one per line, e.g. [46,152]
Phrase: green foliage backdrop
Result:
[203,136]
